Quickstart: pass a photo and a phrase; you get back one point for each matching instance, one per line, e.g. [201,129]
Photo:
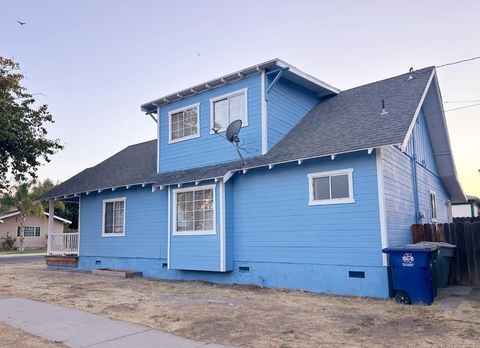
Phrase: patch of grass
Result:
[352,330]
[25,251]
[469,333]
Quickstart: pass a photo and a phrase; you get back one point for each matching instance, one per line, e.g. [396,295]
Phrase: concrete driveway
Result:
[16,258]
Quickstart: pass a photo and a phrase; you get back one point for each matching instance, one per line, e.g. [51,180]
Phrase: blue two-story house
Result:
[330,178]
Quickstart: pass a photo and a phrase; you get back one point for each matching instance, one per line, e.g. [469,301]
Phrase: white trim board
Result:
[224,96]
[417,112]
[213,231]
[191,136]
[312,176]
[223,246]
[112,200]
[381,205]
[264,114]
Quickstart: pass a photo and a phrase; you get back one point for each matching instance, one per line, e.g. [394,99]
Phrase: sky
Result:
[95,62]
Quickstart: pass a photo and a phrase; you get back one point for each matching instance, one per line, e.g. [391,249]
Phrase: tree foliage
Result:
[23,136]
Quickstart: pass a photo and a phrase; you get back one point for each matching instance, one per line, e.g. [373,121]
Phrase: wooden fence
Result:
[465,267]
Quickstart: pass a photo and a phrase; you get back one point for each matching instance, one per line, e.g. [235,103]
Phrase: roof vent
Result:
[411,71]
[384,111]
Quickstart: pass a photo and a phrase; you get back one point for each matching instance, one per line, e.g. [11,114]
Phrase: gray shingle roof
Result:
[347,122]
[133,165]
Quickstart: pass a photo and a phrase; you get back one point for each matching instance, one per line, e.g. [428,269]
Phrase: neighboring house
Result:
[35,229]
[331,177]
[470,208]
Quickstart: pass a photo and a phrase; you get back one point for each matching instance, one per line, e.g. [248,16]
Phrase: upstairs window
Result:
[29,231]
[333,187]
[113,217]
[228,108]
[433,206]
[194,211]
[184,123]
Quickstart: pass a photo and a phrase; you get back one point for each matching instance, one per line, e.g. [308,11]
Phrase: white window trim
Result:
[433,219]
[174,210]
[213,100]
[350,199]
[192,136]
[105,201]
[24,236]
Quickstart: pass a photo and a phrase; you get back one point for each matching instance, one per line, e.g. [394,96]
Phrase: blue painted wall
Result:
[270,229]
[287,104]
[196,252]
[146,218]
[274,223]
[399,185]
[210,148]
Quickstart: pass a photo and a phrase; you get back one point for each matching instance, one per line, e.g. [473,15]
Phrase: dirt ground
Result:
[249,316]
[11,337]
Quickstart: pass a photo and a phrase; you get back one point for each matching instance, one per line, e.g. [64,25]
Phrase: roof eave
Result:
[298,76]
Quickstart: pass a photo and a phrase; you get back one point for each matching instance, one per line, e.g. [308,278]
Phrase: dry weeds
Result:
[248,316]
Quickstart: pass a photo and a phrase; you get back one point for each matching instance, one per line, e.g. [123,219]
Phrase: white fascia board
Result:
[417,112]
[232,77]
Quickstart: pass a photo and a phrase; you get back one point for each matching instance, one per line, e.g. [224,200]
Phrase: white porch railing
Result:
[63,243]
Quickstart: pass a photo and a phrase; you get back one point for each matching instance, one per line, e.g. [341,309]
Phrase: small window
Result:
[29,231]
[194,211]
[228,108]
[113,217]
[331,187]
[433,206]
[184,123]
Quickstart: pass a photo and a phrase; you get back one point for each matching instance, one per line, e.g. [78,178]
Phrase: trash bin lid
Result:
[440,244]
[413,247]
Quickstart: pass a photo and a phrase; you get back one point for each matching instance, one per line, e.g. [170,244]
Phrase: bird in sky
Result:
[21,23]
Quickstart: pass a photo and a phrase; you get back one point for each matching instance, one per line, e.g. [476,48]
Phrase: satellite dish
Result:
[232,131]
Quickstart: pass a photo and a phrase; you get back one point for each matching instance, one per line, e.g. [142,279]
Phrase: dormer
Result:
[269,98]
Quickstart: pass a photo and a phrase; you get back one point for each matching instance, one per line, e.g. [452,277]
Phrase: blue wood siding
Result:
[399,185]
[287,104]
[274,223]
[272,234]
[196,252]
[145,220]
[210,148]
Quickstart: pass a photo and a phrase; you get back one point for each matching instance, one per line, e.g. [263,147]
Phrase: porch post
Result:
[51,226]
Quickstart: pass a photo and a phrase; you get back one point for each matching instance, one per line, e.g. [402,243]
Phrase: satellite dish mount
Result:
[231,135]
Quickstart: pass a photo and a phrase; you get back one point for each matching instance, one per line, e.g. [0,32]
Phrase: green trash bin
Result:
[441,268]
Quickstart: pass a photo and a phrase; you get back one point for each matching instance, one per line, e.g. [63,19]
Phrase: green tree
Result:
[23,201]
[64,209]
[23,136]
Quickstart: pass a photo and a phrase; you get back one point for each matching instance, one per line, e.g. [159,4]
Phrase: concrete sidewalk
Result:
[21,255]
[76,328]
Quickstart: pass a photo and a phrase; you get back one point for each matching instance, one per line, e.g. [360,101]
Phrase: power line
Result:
[462,101]
[463,107]
[457,62]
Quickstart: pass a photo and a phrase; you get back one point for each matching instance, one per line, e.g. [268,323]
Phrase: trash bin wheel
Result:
[402,297]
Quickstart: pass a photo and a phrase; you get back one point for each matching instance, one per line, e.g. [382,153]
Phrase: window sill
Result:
[224,130]
[194,233]
[333,201]
[113,235]
[184,138]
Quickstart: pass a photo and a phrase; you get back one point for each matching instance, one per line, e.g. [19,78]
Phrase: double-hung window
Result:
[114,217]
[194,211]
[228,108]
[29,231]
[184,123]
[333,187]
[433,206]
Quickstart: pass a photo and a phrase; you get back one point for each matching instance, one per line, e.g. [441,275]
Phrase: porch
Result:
[60,244]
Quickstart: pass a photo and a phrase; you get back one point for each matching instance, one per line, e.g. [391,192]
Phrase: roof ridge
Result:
[421,71]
